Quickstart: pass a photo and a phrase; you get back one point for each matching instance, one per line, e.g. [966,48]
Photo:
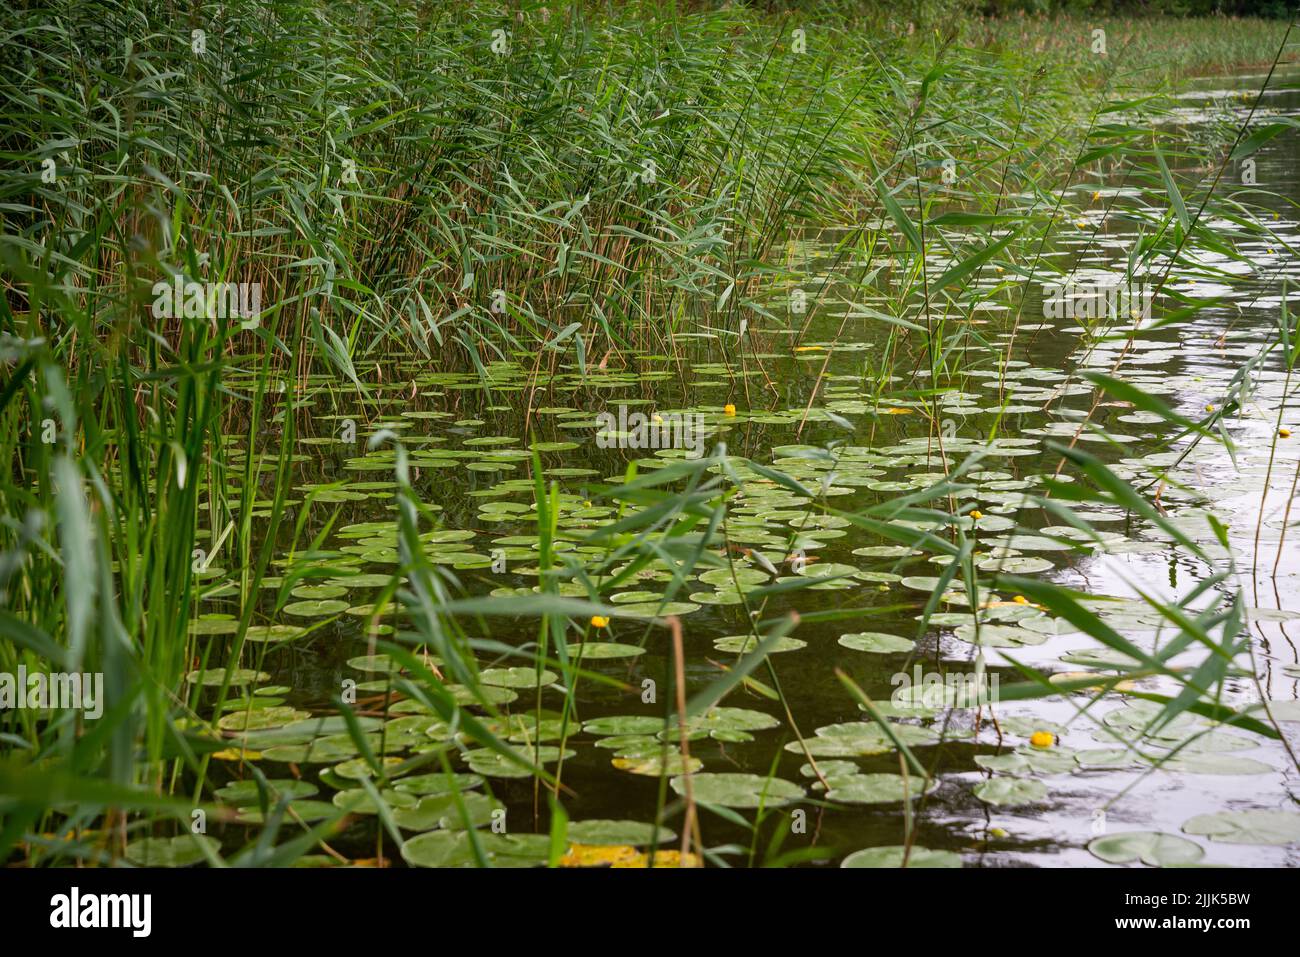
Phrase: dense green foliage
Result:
[443,182]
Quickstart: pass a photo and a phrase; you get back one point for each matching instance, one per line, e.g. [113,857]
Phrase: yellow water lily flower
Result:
[976,514]
[728,409]
[1021,600]
[599,621]
[1284,433]
[1042,739]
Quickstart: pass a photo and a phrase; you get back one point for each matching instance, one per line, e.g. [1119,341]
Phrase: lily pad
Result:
[739,790]
[609,833]
[877,642]
[742,644]
[892,856]
[315,608]
[453,849]
[877,788]
[516,677]
[1247,827]
[240,793]
[1150,847]
[181,851]
[1010,791]
[600,650]
[441,810]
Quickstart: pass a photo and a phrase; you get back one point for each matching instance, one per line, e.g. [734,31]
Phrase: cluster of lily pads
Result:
[777,533]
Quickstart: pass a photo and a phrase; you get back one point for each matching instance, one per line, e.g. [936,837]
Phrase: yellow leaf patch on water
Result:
[235,754]
[622,855]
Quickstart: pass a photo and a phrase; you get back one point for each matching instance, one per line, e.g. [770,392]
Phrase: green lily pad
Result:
[1150,847]
[240,793]
[719,722]
[359,801]
[180,851]
[213,677]
[516,677]
[1247,827]
[315,608]
[999,636]
[877,788]
[877,642]
[1010,791]
[654,764]
[453,849]
[743,644]
[261,718]
[437,783]
[1215,763]
[851,739]
[739,790]
[496,765]
[600,650]
[440,810]
[624,724]
[305,809]
[610,833]
[892,856]
[1029,761]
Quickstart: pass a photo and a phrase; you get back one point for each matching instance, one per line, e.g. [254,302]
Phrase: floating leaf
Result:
[181,851]
[441,810]
[877,788]
[239,793]
[1150,847]
[516,677]
[1010,791]
[877,642]
[453,849]
[1247,827]
[605,832]
[739,790]
[892,856]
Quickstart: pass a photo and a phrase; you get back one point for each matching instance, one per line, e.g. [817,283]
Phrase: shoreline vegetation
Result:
[441,212]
